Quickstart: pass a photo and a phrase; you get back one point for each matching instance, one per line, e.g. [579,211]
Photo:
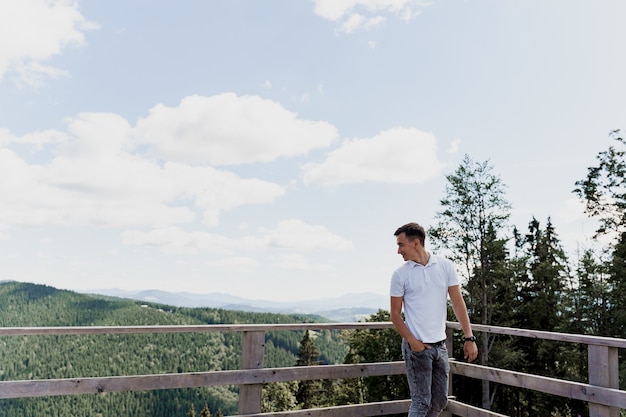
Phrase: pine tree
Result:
[617,279]
[205,411]
[500,274]
[474,211]
[351,390]
[591,296]
[604,189]
[543,307]
[308,394]
[279,396]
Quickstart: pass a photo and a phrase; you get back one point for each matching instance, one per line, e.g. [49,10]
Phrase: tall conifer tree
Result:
[544,307]
[474,211]
[604,188]
[309,391]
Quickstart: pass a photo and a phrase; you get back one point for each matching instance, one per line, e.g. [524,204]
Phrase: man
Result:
[421,287]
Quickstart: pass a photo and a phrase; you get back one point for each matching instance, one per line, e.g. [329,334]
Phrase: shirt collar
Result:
[431,260]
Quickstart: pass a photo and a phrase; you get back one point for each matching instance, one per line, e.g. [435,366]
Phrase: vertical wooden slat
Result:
[604,372]
[449,347]
[253,350]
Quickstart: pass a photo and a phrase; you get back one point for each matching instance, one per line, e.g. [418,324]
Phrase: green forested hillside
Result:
[42,357]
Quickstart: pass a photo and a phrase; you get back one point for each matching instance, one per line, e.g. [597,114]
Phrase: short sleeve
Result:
[397,285]
[453,276]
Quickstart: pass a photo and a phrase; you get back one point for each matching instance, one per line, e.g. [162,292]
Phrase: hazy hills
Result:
[348,307]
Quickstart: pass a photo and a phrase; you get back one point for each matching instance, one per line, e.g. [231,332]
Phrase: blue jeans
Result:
[427,373]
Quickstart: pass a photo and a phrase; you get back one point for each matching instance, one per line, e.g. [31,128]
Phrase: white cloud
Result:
[95,177]
[6,137]
[290,234]
[298,262]
[399,155]
[352,23]
[175,240]
[238,264]
[34,31]
[229,129]
[34,73]
[454,147]
[296,234]
[214,191]
[357,21]
[369,12]
[39,139]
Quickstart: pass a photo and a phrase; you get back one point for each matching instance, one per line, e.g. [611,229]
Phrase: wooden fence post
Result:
[450,347]
[603,366]
[252,352]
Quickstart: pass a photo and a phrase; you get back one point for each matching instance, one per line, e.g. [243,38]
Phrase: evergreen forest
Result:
[512,276]
[49,357]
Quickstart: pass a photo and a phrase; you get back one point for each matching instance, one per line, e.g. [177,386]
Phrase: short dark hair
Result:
[412,231]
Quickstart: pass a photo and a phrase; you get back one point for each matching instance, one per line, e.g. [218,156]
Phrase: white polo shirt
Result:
[425,293]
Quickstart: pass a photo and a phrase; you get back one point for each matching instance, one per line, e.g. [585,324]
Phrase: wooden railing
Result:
[601,391]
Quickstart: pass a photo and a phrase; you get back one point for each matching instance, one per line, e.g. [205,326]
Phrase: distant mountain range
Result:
[348,307]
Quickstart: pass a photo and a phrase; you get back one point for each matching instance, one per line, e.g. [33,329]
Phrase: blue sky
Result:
[269,149]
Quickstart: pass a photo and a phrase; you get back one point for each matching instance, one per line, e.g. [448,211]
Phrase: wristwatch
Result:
[470,339]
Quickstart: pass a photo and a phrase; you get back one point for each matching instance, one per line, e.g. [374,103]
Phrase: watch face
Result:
[470,339]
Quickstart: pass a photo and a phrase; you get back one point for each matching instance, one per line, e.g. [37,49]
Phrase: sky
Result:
[269,149]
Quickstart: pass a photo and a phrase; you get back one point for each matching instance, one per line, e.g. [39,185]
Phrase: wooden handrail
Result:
[601,391]
[199,328]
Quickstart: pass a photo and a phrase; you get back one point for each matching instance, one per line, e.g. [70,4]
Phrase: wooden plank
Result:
[201,328]
[75,330]
[464,410]
[253,348]
[539,334]
[603,364]
[355,410]
[94,385]
[579,391]
[454,407]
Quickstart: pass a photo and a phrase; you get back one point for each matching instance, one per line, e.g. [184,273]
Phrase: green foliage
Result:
[543,304]
[373,345]
[43,357]
[474,211]
[617,280]
[279,396]
[543,289]
[309,392]
[604,189]
[474,201]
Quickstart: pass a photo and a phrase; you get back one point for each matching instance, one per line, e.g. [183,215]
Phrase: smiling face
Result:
[409,249]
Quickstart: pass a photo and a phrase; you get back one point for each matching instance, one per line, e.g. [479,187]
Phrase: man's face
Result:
[407,248]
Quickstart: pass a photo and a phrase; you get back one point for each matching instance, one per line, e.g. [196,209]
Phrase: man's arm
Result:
[470,349]
[398,322]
